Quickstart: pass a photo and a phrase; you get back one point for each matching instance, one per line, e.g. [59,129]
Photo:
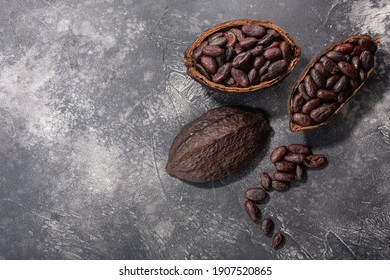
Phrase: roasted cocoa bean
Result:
[323,112]
[311,105]
[362,75]
[266,40]
[367,60]
[298,103]
[239,34]
[331,81]
[294,158]
[341,84]
[240,77]
[264,68]
[199,51]
[344,48]
[276,68]
[214,36]
[231,39]
[229,54]
[279,186]
[299,149]
[267,225]
[222,73]
[321,69]
[259,62]
[315,161]
[209,64]
[272,53]
[257,195]
[212,51]
[278,153]
[335,56]
[253,30]
[302,90]
[252,210]
[202,71]
[241,59]
[253,77]
[248,43]
[286,51]
[347,69]
[367,44]
[285,166]
[256,51]
[318,78]
[284,176]
[310,86]
[220,41]
[302,119]
[326,94]
[265,180]
[356,62]
[329,65]
[277,240]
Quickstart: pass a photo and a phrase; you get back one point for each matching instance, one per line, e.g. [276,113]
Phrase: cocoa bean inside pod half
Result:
[333,77]
[217,144]
[261,54]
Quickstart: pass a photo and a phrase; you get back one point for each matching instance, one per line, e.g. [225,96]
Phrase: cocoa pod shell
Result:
[190,61]
[296,127]
[218,143]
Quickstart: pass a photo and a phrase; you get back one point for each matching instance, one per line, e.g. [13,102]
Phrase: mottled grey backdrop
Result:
[92,94]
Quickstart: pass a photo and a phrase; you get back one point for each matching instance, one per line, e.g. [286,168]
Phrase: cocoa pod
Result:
[330,80]
[217,144]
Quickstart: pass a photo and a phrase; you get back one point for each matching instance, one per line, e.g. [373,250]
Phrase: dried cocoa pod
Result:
[336,74]
[238,36]
[217,144]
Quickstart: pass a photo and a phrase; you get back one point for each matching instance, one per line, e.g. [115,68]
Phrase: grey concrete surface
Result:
[93,92]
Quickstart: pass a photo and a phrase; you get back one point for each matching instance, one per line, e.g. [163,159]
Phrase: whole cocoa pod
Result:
[218,143]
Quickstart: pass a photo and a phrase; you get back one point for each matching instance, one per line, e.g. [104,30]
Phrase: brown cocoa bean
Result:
[272,53]
[252,210]
[241,59]
[253,30]
[285,166]
[220,60]
[277,240]
[318,78]
[298,102]
[335,56]
[259,62]
[347,69]
[344,48]
[274,44]
[341,84]
[274,33]
[348,58]
[294,158]
[231,39]
[209,64]
[222,73]
[278,153]
[279,186]
[367,44]
[266,40]
[267,225]
[323,112]
[331,81]
[367,60]
[299,149]
[320,68]
[302,119]
[310,86]
[286,50]
[311,105]
[240,77]
[264,68]
[356,62]
[302,90]
[283,176]
[253,77]
[229,54]
[326,94]
[248,43]
[257,195]
[362,75]
[276,68]
[220,41]
[315,161]
[199,51]
[265,180]
[329,65]
[239,35]
[213,51]
[256,51]
[202,71]
[214,36]
[357,50]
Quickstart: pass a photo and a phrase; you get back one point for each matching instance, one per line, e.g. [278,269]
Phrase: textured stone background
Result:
[92,94]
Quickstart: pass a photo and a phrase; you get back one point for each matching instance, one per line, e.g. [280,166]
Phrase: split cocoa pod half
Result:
[330,80]
[218,143]
[241,56]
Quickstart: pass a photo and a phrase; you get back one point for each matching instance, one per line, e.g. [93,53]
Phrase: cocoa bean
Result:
[302,119]
[335,56]
[272,53]
[257,195]
[265,180]
[299,172]
[212,51]
[327,94]
[331,81]
[252,210]
[278,153]
[279,186]
[294,158]
[240,77]
[248,43]
[267,225]
[209,64]
[283,176]
[310,86]
[347,69]
[315,161]
[222,73]
[253,30]
[277,240]
[231,39]
[299,149]
[285,166]
[323,112]
[311,105]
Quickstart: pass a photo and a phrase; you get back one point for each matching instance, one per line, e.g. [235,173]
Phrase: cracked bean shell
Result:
[217,144]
